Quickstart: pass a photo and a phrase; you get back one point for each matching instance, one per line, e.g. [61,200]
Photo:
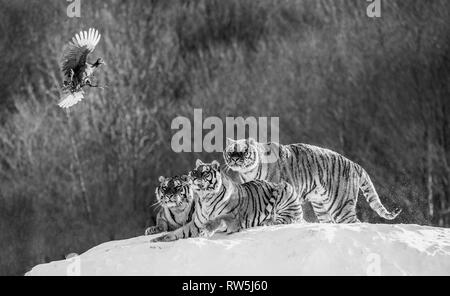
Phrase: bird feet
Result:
[95,85]
[89,83]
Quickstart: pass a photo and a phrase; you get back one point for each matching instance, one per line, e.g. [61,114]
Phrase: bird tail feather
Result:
[69,99]
[88,38]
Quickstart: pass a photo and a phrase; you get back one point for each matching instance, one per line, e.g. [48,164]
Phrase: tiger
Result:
[328,180]
[176,197]
[226,206]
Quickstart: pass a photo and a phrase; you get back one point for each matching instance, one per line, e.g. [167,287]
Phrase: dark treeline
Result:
[375,90]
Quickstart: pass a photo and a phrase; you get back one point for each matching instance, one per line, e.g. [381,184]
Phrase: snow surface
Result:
[296,249]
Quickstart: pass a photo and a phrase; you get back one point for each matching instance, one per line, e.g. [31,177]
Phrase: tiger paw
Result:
[208,229]
[152,230]
[205,233]
[268,223]
[211,226]
[164,238]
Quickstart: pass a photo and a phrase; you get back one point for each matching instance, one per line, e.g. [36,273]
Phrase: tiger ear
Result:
[230,141]
[161,179]
[215,165]
[251,141]
[198,163]
[185,178]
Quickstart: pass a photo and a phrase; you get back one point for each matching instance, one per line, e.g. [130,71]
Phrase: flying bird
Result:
[78,72]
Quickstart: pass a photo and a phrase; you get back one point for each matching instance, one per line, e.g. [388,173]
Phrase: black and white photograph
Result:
[235,139]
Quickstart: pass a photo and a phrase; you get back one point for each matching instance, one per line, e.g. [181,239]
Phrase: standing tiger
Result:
[176,198]
[223,205]
[327,179]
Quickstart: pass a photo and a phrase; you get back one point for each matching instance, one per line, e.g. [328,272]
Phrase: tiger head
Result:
[206,177]
[241,155]
[175,192]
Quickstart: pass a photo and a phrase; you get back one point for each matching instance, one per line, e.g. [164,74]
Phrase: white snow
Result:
[296,249]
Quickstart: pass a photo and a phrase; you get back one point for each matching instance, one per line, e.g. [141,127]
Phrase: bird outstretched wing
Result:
[77,50]
[70,98]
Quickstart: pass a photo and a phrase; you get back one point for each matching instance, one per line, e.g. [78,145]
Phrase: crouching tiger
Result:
[327,179]
[176,198]
[223,205]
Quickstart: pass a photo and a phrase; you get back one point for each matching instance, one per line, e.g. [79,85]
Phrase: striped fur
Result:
[226,206]
[327,179]
[176,198]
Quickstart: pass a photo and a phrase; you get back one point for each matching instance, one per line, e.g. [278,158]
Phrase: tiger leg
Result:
[291,219]
[289,215]
[321,212]
[233,224]
[289,206]
[345,211]
[279,220]
[192,229]
[228,223]
[155,229]
[161,225]
[211,227]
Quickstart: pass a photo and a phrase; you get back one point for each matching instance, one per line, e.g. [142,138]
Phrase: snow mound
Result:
[296,249]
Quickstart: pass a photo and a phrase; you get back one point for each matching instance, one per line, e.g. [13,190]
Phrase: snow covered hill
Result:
[300,249]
